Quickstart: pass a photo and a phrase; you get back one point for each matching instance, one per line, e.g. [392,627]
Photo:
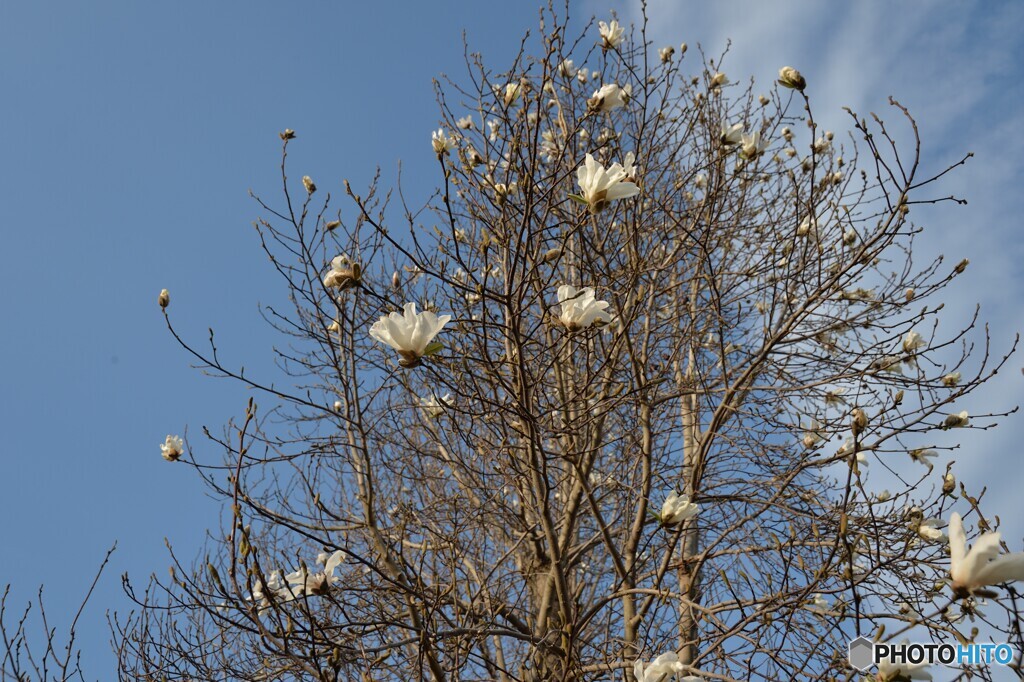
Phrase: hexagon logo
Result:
[862,654]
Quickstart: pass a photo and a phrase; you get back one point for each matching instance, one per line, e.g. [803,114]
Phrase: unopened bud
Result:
[858,422]
[333,225]
[308,183]
[961,266]
[791,78]
[288,134]
[396,279]
[164,299]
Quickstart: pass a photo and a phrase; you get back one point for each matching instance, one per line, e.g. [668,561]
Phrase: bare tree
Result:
[23,658]
[685,324]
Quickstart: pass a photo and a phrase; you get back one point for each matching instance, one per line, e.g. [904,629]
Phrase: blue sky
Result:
[133,132]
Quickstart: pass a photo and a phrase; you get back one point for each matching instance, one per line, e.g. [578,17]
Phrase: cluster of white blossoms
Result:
[749,145]
[300,583]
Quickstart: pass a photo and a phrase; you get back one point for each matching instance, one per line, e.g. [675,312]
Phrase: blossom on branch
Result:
[661,668]
[342,274]
[410,333]
[441,142]
[731,135]
[751,146]
[609,97]
[677,508]
[599,186]
[982,565]
[304,583]
[172,448]
[791,78]
[611,34]
[956,421]
[580,308]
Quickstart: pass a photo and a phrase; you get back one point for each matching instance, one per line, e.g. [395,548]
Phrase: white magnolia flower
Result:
[304,583]
[660,668]
[665,53]
[718,80]
[821,145]
[731,134]
[172,448]
[513,93]
[807,226]
[441,142]
[791,78]
[951,379]
[846,449]
[433,406]
[567,68]
[929,530]
[890,672]
[955,421]
[678,508]
[611,34]
[610,96]
[600,186]
[751,146]
[630,167]
[812,434]
[494,126]
[275,586]
[912,342]
[465,123]
[410,333]
[580,309]
[701,181]
[342,274]
[922,455]
[982,565]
